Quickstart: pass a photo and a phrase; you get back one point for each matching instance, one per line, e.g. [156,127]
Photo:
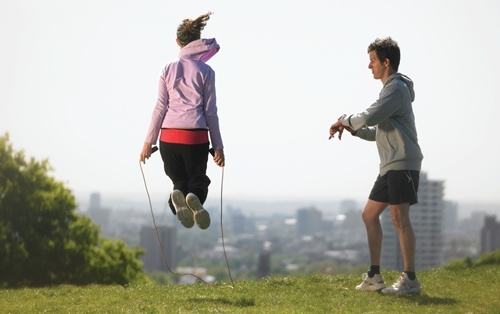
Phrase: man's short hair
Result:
[386,48]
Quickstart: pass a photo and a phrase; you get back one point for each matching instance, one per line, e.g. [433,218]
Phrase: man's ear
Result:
[178,42]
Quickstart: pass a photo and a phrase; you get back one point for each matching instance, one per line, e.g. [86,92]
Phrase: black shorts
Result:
[396,187]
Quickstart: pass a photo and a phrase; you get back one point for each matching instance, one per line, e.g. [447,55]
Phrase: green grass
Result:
[469,290]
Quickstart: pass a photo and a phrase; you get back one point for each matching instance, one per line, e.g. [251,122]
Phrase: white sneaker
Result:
[403,286]
[183,213]
[201,216]
[374,283]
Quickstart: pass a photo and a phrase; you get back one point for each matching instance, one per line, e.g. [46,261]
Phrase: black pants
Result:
[186,166]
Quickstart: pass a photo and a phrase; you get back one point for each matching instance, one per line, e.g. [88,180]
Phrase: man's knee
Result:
[400,215]
[368,217]
[372,212]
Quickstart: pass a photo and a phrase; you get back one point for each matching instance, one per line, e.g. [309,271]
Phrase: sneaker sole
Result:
[371,288]
[201,216]
[183,213]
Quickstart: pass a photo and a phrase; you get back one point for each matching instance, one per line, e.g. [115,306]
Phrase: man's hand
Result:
[337,127]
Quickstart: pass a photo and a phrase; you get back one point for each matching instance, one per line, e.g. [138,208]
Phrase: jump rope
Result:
[154,149]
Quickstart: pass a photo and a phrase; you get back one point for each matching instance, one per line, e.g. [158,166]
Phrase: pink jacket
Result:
[186,93]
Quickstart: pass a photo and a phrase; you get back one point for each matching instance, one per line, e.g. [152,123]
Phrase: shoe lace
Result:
[364,276]
[400,282]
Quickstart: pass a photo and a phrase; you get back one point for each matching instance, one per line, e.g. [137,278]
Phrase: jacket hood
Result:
[406,80]
[201,49]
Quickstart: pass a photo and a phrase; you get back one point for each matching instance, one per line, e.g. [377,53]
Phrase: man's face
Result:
[378,69]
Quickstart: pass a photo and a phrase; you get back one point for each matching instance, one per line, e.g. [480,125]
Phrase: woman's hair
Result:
[387,48]
[190,30]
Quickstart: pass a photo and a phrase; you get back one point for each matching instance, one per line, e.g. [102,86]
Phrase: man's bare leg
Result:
[371,218]
[401,220]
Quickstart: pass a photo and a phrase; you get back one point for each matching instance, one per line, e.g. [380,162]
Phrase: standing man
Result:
[391,124]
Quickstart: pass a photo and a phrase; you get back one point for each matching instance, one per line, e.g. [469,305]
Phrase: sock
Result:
[411,275]
[374,270]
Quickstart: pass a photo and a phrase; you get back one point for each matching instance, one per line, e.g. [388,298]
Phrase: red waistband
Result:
[181,136]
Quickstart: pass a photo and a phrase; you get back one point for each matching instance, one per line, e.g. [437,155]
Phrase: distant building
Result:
[153,259]
[196,274]
[427,221]
[309,221]
[99,215]
[238,222]
[351,228]
[348,205]
[471,226]
[450,216]
[264,262]
[490,235]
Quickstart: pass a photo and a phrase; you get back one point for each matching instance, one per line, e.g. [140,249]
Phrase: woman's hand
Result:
[219,158]
[145,153]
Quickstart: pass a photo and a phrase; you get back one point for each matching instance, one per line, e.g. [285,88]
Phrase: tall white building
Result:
[427,221]
[450,216]
[490,235]
[153,259]
[99,215]
[309,221]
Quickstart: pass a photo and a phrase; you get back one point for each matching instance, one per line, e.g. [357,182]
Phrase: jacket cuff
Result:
[346,121]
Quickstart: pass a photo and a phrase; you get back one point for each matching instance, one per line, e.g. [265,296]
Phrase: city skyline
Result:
[329,208]
[341,240]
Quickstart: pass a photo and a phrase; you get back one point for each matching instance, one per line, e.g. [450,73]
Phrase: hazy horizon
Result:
[259,206]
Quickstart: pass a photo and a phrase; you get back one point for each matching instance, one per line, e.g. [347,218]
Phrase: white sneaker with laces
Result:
[403,286]
[201,216]
[183,213]
[374,283]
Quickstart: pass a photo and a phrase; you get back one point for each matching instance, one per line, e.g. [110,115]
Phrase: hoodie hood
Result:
[406,80]
[201,49]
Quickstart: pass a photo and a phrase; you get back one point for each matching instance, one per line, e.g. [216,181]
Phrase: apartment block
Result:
[490,235]
[309,221]
[153,259]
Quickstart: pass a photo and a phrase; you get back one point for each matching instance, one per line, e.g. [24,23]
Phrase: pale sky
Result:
[78,82]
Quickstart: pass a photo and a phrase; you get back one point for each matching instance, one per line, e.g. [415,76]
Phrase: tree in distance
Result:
[43,241]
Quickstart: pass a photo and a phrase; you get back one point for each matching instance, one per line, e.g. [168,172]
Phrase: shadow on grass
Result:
[423,299]
[239,302]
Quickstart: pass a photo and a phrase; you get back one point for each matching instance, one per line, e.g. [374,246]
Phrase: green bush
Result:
[43,241]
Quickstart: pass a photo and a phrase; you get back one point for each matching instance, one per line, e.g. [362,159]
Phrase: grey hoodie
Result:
[391,123]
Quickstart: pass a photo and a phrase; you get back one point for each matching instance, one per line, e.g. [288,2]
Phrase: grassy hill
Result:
[445,290]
